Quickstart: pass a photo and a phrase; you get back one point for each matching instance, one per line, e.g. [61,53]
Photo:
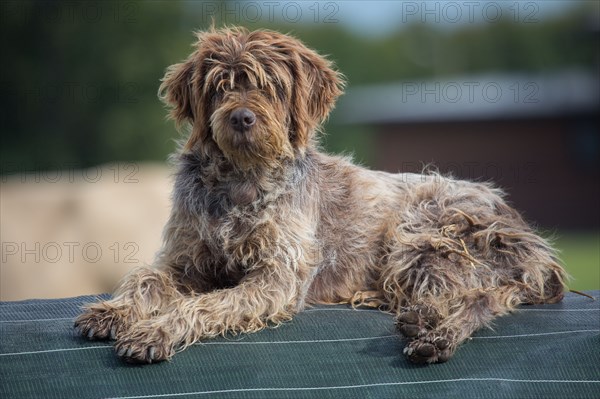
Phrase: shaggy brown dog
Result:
[263,223]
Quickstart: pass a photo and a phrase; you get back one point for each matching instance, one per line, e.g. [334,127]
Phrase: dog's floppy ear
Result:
[317,86]
[179,90]
[176,91]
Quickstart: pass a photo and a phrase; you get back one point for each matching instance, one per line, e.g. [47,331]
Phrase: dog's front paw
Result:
[99,321]
[432,348]
[145,343]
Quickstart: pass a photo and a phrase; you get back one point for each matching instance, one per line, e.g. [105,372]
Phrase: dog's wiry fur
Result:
[263,223]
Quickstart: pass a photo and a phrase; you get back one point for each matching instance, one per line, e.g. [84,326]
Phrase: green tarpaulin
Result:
[550,351]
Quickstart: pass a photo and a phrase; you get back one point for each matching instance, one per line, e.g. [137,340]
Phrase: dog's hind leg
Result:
[458,258]
[440,301]
[438,319]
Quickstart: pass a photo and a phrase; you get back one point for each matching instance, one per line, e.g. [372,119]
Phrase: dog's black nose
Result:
[242,119]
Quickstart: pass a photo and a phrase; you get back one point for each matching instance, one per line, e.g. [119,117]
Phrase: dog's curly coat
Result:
[263,223]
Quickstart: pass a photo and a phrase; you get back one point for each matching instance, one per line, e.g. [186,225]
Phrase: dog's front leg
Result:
[266,296]
[142,293]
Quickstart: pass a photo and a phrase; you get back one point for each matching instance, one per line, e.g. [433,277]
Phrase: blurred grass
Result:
[580,253]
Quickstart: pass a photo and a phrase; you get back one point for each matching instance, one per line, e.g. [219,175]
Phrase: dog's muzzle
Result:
[242,119]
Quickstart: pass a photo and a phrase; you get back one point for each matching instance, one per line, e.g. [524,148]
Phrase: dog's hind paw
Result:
[419,324]
[416,321]
[432,348]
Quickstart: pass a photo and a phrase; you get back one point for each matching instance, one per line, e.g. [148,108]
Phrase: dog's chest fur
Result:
[229,211]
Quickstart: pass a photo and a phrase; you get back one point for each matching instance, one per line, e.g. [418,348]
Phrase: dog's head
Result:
[257,97]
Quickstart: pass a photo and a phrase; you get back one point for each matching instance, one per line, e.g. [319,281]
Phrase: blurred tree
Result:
[80,81]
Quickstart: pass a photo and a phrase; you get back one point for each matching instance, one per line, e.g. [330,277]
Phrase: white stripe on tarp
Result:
[313,341]
[360,386]
[36,320]
[321,310]
[557,310]
[515,311]
[45,302]
[534,335]
[316,341]
[81,348]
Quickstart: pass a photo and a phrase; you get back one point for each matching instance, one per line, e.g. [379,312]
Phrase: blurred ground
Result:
[77,232]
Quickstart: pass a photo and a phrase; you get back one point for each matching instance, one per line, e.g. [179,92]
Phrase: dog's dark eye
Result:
[216,97]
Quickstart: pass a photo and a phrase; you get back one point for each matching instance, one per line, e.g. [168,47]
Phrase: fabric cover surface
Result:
[549,351]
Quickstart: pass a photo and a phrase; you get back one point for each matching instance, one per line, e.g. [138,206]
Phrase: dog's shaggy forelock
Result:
[264,223]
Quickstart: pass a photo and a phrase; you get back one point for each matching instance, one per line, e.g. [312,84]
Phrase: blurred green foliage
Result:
[580,254]
[79,79]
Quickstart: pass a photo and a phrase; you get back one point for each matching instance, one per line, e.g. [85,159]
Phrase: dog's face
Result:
[257,97]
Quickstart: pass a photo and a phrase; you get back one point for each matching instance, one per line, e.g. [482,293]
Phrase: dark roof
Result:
[481,97]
